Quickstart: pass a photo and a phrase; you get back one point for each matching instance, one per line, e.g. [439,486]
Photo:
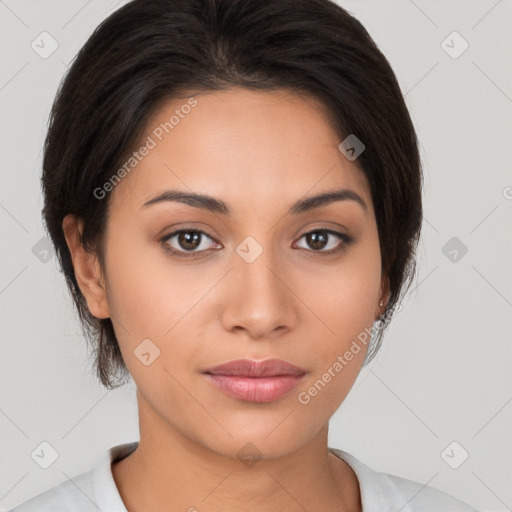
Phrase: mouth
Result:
[255,381]
[252,368]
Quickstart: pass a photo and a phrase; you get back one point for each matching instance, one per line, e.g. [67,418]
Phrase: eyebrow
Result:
[211,204]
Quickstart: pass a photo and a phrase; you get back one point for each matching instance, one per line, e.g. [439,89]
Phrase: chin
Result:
[255,437]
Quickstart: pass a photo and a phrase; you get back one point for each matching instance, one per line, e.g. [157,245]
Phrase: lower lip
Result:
[255,389]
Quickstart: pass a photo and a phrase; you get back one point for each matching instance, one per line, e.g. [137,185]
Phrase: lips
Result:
[255,381]
[251,368]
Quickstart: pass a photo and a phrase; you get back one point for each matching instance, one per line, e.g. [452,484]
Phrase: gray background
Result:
[443,373]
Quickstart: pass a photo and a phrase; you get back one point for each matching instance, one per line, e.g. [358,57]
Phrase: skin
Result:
[259,152]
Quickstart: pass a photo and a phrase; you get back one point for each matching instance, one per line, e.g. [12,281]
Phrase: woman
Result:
[233,189]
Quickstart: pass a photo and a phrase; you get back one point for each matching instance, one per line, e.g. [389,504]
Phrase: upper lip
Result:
[252,368]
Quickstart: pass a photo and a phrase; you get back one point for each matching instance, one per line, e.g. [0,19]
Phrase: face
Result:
[190,287]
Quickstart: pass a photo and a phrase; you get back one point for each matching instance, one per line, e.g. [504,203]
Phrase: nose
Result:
[259,298]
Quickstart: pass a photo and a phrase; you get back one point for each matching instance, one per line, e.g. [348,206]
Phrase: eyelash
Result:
[345,239]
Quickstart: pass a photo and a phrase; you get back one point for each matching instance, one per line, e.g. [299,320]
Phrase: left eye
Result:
[319,240]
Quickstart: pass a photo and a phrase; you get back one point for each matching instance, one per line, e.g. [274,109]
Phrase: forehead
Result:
[251,148]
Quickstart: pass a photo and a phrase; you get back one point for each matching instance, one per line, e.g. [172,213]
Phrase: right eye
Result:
[187,240]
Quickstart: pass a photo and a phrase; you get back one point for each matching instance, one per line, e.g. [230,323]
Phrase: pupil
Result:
[189,237]
[313,240]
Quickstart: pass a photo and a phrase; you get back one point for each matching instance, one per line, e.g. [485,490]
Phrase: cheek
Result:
[345,299]
[145,291]
[346,312]
[344,302]
[151,297]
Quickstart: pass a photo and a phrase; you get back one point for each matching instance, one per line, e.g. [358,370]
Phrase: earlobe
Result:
[87,268]
[383,298]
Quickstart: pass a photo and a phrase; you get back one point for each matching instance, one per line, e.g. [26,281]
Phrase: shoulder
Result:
[71,495]
[384,491]
[417,497]
[92,491]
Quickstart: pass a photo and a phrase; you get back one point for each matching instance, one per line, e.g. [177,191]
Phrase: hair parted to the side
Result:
[152,51]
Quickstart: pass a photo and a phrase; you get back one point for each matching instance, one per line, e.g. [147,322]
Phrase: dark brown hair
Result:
[152,51]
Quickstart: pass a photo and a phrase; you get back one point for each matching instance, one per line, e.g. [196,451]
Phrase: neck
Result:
[169,471]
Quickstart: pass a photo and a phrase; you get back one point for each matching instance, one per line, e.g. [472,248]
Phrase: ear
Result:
[383,296]
[87,268]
